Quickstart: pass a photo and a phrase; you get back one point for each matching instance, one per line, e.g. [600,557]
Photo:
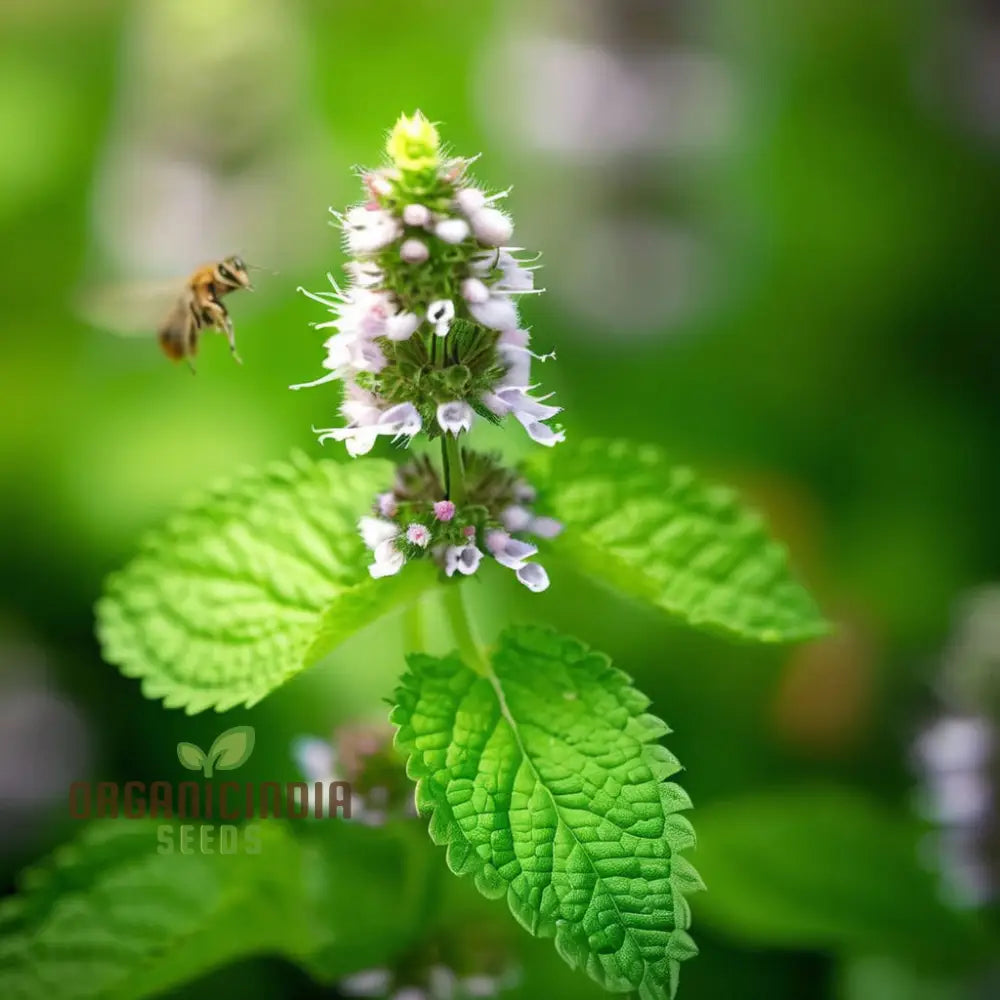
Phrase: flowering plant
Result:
[536,761]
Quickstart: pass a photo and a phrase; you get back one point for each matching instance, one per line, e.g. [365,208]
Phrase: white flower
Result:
[369,230]
[533,577]
[470,200]
[440,313]
[380,536]
[402,326]
[497,312]
[509,552]
[315,759]
[370,983]
[364,274]
[417,534]
[531,413]
[545,527]
[463,558]
[388,559]
[414,251]
[375,530]
[452,230]
[474,290]
[516,518]
[401,420]
[455,417]
[514,276]
[416,215]
[387,505]
[491,226]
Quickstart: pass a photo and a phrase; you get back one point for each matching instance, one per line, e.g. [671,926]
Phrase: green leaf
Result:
[191,756]
[656,532]
[826,869]
[110,917]
[250,584]
[232,748]
[544,780]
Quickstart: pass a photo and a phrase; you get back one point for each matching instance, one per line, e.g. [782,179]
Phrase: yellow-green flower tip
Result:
[413,143]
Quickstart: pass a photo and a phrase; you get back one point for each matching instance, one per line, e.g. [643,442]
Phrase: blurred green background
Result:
[770,244]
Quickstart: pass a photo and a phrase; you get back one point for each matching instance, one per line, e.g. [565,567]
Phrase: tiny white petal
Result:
[416,215]
[540,433]
[533,577]
[474,290]
[440,313]
[388,560]
[497,312]
[516,518]
[496,541]
[464,559]
[546,527]
[470,200]
[455,417]
[514,553]
[452,230]
[402,326]
[414,251]
[402,418]
[491,226]
[375,531]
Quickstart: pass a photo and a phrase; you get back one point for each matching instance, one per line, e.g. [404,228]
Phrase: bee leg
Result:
[227,329]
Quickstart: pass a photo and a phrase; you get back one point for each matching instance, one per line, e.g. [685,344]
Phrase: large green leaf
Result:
[110,917]
[656,532]
[253,582]
[826,868]
[542,776]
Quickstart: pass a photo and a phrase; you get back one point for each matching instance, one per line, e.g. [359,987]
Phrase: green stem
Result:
[461,628]
[454,471]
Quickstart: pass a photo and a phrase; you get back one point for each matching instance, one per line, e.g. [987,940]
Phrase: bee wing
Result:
[138,309]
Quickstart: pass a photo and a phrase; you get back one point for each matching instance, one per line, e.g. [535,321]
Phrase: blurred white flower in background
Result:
[44,745]
[611,103]
[216,145]
[958,754]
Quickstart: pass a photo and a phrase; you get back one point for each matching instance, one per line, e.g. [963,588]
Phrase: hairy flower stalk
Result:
[426,340]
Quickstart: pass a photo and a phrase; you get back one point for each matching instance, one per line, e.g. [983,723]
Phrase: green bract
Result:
[543,778]
[655,531]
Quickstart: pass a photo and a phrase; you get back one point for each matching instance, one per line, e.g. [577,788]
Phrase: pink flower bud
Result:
[444,510]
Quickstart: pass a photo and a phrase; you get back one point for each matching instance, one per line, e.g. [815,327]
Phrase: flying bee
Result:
[195,306]
[199,307]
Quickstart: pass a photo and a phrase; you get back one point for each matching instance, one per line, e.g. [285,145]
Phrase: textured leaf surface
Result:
[655,531]
[825,868]
[109,917]
[112,918]
[255,581]
[546,784]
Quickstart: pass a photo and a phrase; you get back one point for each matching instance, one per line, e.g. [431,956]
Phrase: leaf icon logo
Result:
[230,750]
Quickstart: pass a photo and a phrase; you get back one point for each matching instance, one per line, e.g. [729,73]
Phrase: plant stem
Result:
[461,627]
[453,469]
